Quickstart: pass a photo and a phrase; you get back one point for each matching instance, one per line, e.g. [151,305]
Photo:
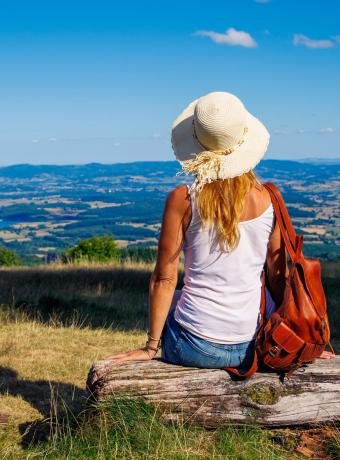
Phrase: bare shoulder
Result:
[178,207]
[257,201]
[179,198]
[260,194]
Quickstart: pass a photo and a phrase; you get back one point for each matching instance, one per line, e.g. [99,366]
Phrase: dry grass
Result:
[54,322]
[43,370]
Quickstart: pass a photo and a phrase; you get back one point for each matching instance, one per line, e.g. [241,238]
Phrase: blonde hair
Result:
[220,204]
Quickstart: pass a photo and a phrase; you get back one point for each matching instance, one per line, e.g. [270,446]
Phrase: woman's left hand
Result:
[134,355]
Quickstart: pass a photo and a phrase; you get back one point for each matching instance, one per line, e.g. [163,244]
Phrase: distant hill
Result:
[47,208]
[90,170]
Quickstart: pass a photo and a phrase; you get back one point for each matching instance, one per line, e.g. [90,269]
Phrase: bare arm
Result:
[277,268]
[176,217]
[164,279]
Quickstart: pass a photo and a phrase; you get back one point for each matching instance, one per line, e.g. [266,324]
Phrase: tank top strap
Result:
[191,192]
[194,214]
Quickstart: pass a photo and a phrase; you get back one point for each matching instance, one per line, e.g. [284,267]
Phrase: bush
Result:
[8,257]
[95,249]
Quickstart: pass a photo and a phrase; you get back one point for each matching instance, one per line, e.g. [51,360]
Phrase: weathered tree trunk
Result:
[211,398]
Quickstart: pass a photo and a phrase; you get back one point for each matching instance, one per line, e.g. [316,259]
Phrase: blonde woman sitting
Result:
[224,222]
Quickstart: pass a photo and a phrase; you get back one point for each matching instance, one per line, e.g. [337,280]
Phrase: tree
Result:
[95,249]
[8,257]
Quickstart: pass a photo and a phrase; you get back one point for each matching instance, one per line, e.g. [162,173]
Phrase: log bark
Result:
[211,398]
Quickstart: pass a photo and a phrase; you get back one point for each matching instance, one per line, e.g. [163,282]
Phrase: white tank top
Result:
[220,300]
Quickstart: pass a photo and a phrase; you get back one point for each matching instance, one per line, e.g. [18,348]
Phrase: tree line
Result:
[98,249]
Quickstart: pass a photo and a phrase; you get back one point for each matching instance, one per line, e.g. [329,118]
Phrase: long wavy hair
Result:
[220,205]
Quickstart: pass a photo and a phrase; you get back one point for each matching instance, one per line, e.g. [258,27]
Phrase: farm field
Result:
[46,209]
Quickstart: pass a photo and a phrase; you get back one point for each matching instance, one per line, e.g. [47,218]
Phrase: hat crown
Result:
[219,121]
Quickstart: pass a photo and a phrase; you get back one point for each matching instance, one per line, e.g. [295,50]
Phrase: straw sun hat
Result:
[215,137]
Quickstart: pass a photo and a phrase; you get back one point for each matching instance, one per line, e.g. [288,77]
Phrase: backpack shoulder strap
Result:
[292,241]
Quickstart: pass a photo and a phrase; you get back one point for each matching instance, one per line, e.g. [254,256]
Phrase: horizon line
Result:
[299,160]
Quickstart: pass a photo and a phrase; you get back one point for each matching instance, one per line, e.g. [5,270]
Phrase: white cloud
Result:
[117,144]
[326,130]
[280,132]
[231,37]
[285,132]
[52,139]
[300,39]
[35,141]
[263,1]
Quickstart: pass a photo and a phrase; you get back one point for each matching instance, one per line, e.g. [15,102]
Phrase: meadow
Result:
[55,321]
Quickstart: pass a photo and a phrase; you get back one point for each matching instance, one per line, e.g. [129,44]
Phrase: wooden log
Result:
[211,398]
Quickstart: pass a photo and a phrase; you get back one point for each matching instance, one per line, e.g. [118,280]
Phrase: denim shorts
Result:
[179,346]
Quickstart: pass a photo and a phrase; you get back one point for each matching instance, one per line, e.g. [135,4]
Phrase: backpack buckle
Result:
[274,351]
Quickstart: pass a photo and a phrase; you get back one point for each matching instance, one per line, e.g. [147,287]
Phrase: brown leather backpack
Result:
[297,332]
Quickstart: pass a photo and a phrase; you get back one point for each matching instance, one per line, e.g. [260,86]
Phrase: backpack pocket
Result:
[283,347]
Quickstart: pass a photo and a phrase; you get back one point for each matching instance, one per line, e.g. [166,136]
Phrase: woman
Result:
[225,224]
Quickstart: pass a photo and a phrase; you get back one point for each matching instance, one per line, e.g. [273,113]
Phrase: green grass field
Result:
[55,321]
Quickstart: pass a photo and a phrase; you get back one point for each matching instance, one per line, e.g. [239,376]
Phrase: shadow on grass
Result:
[93,297]
[57,402]
[97,297]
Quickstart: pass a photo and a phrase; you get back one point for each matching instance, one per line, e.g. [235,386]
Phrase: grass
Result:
[126,429]
[43,370]
[54,322]
[95,296]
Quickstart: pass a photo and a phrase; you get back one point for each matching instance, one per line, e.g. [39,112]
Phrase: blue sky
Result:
[85,81]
